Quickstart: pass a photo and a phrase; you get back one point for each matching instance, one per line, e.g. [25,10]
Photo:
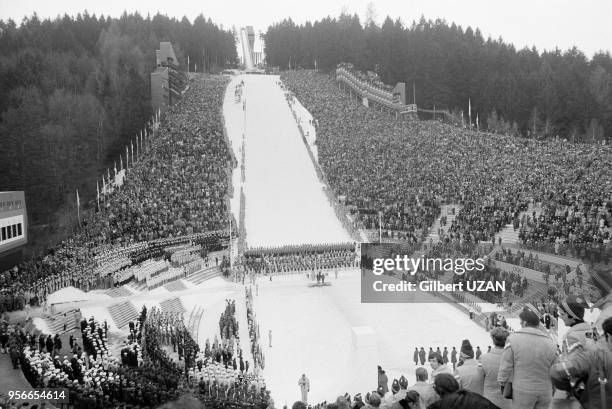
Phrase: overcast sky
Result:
[546,24]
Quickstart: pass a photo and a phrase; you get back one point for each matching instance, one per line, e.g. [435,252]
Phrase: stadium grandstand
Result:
[221,266]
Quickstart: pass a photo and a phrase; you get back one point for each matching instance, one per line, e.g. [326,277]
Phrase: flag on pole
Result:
[78,207]
[187,64]
[132,148]
[121,162]
[115,167]
[104,186]
[462,122]
[98,194]
[138,142]
[469,112]
[127,157]
[108,173]
[477,125]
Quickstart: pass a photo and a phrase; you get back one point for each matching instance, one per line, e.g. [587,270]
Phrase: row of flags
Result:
[142,142]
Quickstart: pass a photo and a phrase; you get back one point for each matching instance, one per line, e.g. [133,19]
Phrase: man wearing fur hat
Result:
[528,356]
[470,374]
[399,392]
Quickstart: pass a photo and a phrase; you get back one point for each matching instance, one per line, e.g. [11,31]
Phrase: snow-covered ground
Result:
[324,332]
[312,333]
[285,202]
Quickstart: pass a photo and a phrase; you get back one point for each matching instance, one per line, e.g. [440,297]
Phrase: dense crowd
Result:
[177,187]
[406,169]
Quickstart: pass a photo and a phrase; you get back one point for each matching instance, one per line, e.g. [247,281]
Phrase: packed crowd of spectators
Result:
[177,187]
[406,169]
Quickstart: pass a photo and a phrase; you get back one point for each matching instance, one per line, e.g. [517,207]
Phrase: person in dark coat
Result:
[49,344]
[454,358]
[422,355]
[445,355]
[383,381]
[416,356]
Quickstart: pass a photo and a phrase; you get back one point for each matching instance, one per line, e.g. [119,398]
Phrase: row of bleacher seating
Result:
[163,277]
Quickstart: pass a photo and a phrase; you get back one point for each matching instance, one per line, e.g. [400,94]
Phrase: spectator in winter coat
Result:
[469,375]
[526,361]
[437,365]
[490,367]
[589,368]
[427,394]
[383,381]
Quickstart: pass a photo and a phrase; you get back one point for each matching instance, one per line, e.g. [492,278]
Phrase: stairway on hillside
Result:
[445,210]
[508,235]
[68,319]
[173,305]
[122,313]
[205,274]
[119,292]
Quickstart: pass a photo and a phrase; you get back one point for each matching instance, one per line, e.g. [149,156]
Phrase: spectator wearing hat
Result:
[410,401]
[590,370]
[528,356]
[426,392]
[358,402]
[571,311]
[490,367]
[470,374]
[437,365]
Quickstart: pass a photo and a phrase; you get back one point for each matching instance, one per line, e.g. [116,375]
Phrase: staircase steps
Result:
[118,292]
[56,322]
[203,275]
[123,313]
[173,305]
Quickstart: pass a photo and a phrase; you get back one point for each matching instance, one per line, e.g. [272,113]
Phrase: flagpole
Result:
[78,207]
[380,226]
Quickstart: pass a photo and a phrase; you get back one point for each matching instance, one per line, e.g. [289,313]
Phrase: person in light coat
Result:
[437,365]
[528,356]
[490,367]
[304,385]
[469,374]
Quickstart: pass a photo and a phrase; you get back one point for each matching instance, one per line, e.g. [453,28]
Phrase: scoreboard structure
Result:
[13,222]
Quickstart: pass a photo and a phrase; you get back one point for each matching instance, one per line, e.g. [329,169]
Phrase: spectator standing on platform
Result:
[528,356]
[469,375]
[425,389]
[490,367]
[437,365]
